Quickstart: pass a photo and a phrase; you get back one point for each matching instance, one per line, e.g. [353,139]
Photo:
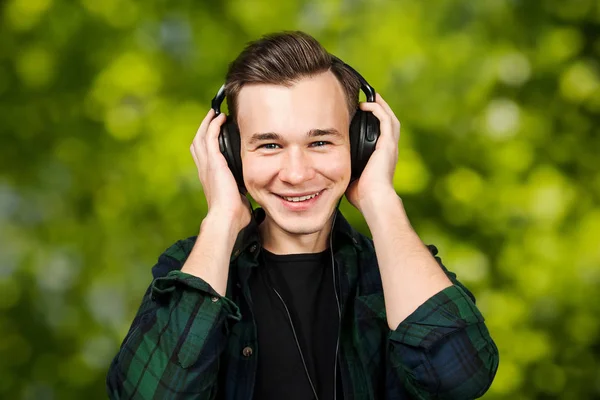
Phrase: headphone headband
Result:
[215,104]
[364,86]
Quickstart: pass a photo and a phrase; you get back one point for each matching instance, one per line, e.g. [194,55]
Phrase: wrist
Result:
[384,207]
[378,200]
[209,258]
[223,225]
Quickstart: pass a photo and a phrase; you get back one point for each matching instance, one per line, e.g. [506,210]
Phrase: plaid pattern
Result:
[188,342]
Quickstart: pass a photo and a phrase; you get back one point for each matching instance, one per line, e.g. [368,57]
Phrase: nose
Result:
[296,167]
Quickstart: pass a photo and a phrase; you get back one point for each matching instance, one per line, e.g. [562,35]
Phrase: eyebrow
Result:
[261,137]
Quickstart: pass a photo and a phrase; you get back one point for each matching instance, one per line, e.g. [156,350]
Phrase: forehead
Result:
[310,103]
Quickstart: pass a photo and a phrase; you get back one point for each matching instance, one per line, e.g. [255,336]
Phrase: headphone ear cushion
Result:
[364,132]
[229,144]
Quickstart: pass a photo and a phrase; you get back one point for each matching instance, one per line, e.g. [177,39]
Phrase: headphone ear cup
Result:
[364,132]
[229,144]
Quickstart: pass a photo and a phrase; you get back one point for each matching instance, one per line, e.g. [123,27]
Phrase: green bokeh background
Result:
[498,165]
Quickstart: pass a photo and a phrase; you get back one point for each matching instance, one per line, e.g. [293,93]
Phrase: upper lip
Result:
[299,194]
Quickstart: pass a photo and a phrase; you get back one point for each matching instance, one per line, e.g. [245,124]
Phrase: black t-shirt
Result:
[305,283]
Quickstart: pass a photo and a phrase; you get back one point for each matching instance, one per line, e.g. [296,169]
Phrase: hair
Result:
[284,58]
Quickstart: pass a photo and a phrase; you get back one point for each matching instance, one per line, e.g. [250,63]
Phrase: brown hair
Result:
[283,58]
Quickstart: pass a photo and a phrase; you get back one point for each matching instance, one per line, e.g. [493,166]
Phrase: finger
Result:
[199,167]
[201,173]
[200,163]
[194,155]
[205,122]
[204,128]
[389,110]
[200,152]
[379,100]
[385,118]
[377,109]
[387,130]
[215,127]
[212,136]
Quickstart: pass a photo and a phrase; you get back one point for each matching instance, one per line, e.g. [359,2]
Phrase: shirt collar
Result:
[249,237]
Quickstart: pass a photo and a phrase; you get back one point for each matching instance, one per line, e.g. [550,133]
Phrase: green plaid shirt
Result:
[188,342]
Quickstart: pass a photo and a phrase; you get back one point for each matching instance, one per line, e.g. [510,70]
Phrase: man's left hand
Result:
[376,180]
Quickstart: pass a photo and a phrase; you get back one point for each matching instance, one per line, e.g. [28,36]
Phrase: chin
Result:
[307,222]
[297,228]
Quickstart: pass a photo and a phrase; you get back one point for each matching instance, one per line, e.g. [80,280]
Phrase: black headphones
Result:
[364,132]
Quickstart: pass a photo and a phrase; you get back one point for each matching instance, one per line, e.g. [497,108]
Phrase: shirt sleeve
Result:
[180,330]
[443,350]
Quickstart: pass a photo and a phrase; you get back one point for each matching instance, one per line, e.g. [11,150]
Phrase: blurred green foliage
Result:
[99,101]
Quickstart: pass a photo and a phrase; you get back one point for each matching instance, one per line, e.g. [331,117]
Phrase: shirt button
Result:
[214,299]
[252,248]
[247,352]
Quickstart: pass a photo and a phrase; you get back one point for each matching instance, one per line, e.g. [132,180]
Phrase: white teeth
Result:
[301,198]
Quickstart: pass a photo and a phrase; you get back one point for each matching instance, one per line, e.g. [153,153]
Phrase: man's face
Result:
[295,151]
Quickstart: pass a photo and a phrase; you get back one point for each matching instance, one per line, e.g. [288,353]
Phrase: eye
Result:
[319,143]
[269,146]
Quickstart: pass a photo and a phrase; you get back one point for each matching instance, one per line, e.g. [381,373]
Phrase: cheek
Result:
[258,171]
[336,166]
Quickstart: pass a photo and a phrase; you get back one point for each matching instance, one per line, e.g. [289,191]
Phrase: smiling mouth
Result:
[301,198]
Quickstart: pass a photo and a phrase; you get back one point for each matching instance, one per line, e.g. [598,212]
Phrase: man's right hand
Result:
[220,188]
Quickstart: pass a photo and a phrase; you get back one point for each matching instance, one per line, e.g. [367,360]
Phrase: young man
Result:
[289,301]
